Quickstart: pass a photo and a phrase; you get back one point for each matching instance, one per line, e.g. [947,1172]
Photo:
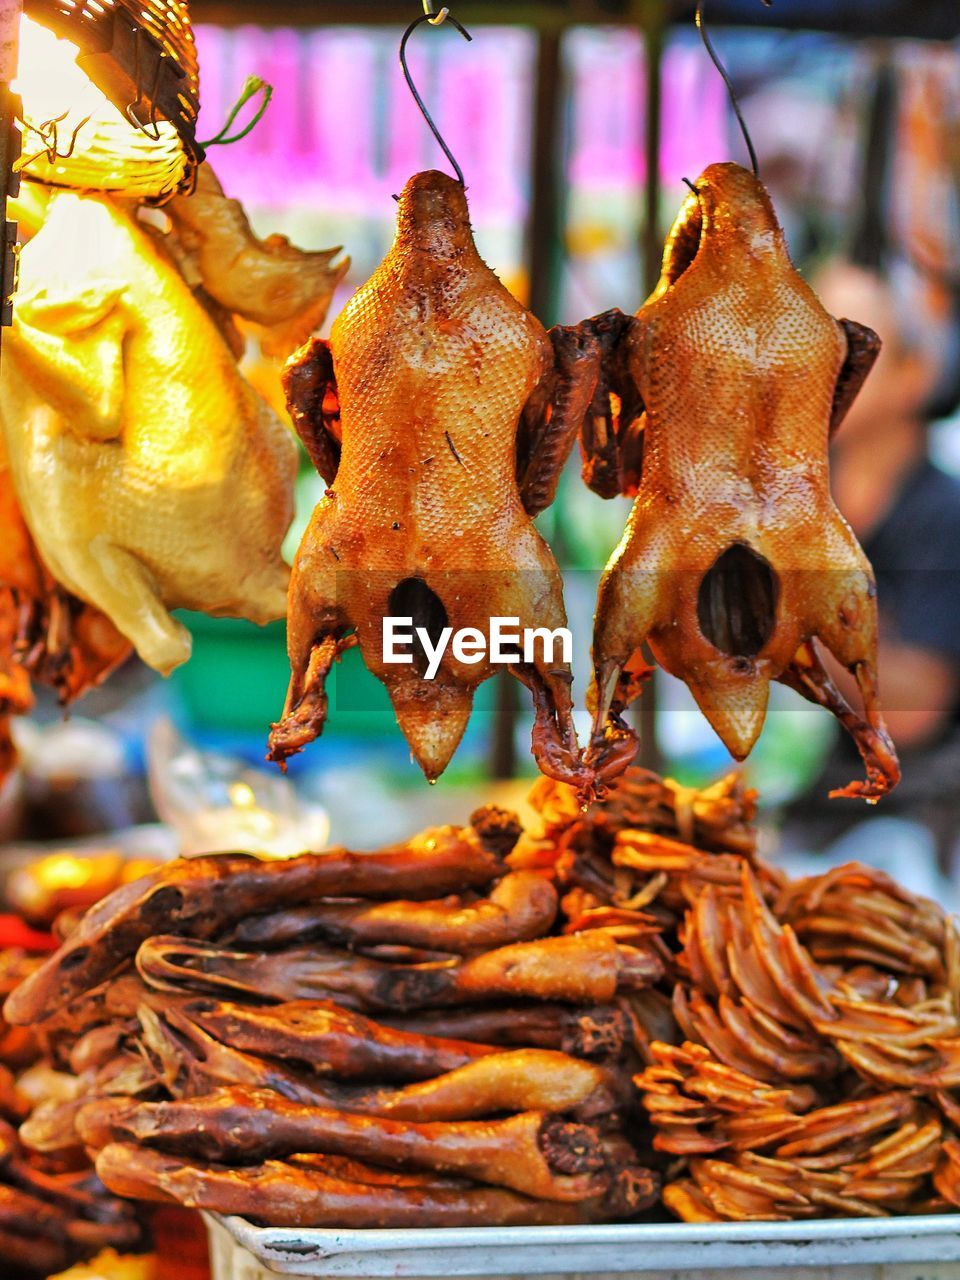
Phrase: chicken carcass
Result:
[735,562]
[440,414]
[151,475]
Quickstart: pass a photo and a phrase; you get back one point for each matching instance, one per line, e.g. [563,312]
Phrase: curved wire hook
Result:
[715,59]
[434,20]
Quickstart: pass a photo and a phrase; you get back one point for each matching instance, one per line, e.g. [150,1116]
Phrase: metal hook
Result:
[49,134]
[434,19]
[152,127]
[715,59]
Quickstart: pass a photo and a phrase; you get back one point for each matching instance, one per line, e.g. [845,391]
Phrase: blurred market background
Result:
[571,123]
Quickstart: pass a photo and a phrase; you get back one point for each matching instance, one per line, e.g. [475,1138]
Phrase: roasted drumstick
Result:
[584,968]
[194,1062]
[200,897]
[534,1153]
[522,906]
[595,1031]
[440,414]
[332,1040]
[298,1195]
[735,563]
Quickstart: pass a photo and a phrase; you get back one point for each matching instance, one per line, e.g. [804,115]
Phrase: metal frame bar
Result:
[10,12]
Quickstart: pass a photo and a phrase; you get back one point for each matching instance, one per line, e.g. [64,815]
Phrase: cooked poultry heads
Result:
[151,475]
[440,414]
[735,562]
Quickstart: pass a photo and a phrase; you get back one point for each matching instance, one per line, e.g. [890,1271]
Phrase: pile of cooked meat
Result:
[618,1008]
[54,1210]
[378,1039]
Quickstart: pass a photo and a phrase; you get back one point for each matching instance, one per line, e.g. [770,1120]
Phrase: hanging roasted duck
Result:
[440,415]
[735,565]
[152,476]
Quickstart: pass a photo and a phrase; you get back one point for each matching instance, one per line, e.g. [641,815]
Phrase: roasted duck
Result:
[735,564]
[440,415]
[151,475]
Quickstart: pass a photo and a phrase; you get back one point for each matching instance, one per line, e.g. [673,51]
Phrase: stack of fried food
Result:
[53,1215]
[805,1060]
[342,1039]
[54,1210]
[495,1026]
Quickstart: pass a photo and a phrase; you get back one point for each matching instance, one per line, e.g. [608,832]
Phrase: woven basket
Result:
[143,59]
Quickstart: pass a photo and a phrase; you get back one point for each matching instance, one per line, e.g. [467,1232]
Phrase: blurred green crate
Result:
[237,678]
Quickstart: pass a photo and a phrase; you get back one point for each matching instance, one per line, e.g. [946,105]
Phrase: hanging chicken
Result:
[735,564]
[151,475]
[440,415]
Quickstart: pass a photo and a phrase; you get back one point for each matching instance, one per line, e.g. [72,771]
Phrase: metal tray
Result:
[874,1248]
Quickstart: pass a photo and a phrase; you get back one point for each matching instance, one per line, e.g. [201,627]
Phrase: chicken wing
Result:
[440,415]
[735,562]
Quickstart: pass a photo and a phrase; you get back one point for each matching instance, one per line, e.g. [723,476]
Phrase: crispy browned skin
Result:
[199,897]
[194,1062]
[36,1254]
[294,1195]
[585,968]
[522,906]
[735,561]
[334,1041]
[534,1153]
[440,415]
[597,1031]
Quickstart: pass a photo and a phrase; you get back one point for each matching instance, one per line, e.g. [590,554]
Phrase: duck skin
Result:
[333,1041]
[588,967]
[594,1032]
[319,1194]
[735,564]
[193,1063]
[440,415]
[536,1154]
[521,907]
[200,897]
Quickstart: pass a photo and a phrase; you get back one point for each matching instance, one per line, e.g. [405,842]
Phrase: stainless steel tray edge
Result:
[635,1247]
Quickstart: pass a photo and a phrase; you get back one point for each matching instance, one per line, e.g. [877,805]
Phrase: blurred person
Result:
[906,514]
